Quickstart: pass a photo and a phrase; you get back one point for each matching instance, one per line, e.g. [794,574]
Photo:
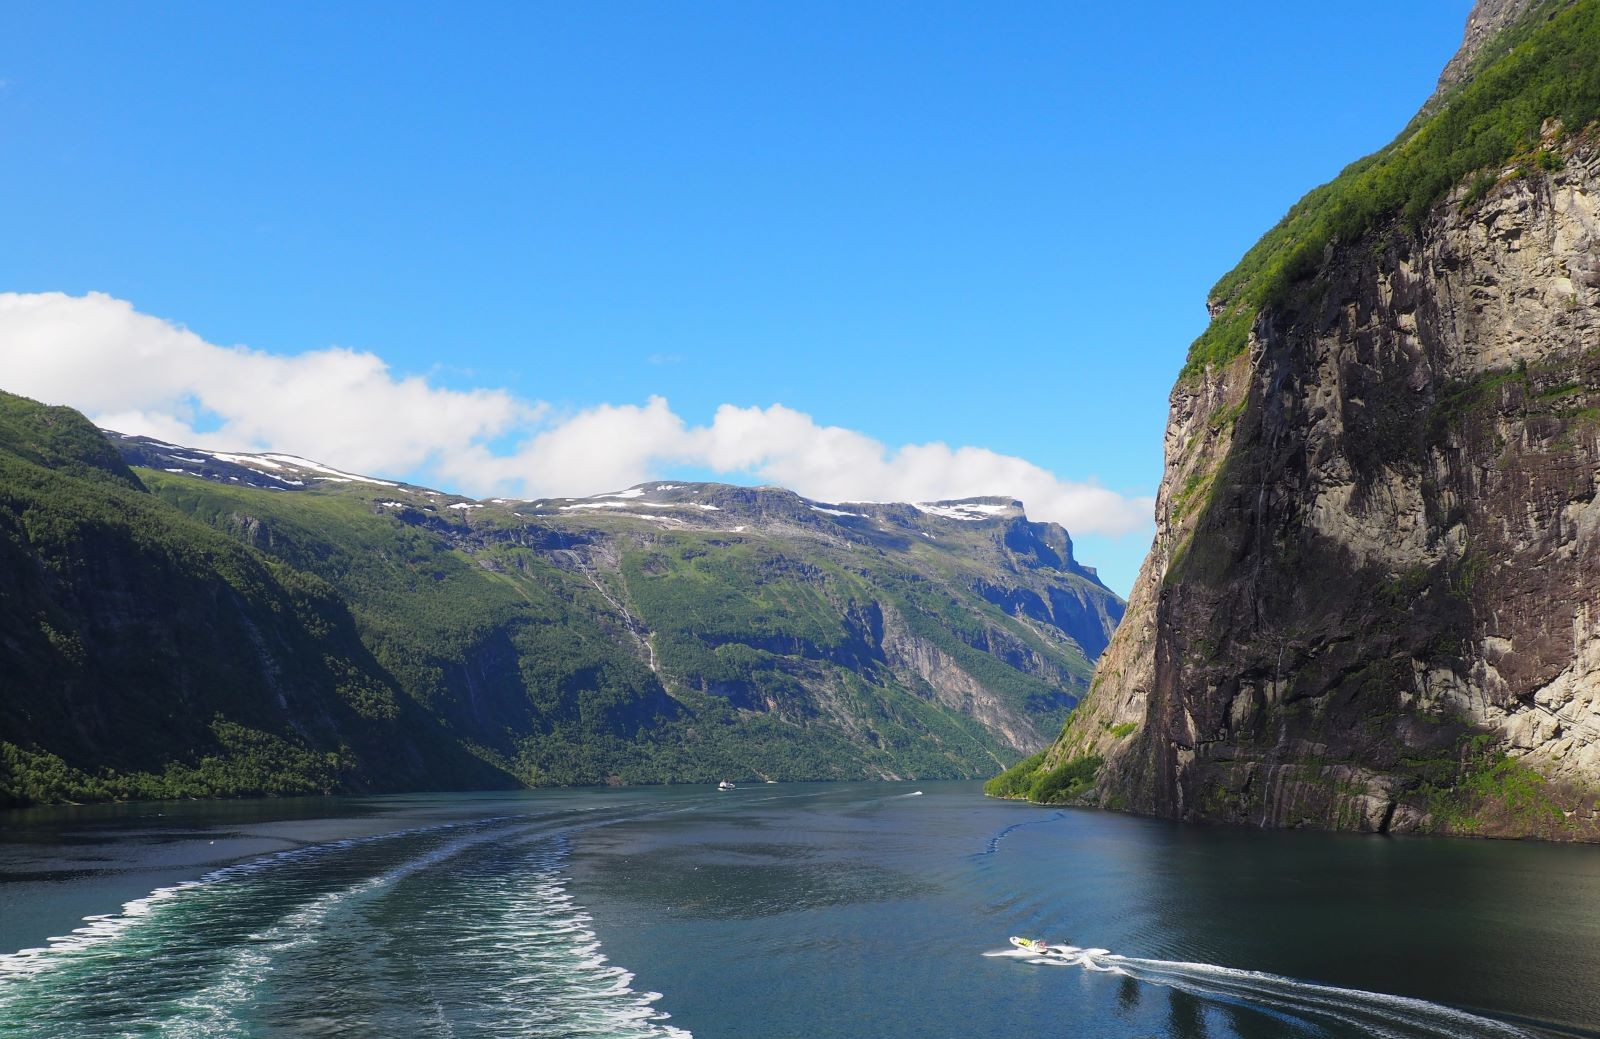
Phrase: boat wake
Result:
[994,842]
[1368,1013]
[426,931]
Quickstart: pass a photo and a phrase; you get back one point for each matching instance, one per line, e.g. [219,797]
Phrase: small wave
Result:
[994,842]
[1374,1013]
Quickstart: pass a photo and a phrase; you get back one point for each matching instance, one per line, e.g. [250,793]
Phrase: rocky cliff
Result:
[1373,599]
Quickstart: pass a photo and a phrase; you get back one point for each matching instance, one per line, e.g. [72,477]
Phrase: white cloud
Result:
[140,374]
[835,464]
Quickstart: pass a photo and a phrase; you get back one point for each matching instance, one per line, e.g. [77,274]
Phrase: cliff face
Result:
[1373,600]
[1487,20]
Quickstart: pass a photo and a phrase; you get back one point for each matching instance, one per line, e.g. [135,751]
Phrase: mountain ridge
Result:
[281,471]
[669,632]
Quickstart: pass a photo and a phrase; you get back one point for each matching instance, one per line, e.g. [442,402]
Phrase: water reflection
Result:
[1366,912]
[833,913]
[716,880]
[1186,1018]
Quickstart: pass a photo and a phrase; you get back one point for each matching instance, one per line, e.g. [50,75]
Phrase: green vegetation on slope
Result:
[1480,789]
[1551,70]
[146,655]
[589,648]
[171,636]
[499,647]
[1030,780]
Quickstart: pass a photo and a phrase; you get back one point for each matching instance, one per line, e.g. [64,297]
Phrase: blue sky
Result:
[974,224]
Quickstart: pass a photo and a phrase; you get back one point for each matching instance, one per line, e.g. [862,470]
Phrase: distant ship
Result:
[725,785]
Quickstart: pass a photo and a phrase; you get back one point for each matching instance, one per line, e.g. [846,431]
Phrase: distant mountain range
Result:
[181,622]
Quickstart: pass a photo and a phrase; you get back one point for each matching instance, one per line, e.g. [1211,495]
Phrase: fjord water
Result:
[848,910]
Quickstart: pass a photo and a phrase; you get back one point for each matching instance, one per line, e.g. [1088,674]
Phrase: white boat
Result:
[725,785]
[1037,947]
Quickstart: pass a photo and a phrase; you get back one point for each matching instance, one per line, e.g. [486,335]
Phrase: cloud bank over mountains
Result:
[144,375]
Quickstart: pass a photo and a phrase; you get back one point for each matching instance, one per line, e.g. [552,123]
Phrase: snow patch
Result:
[317,467]
[836,512]
[393,504]
[631,492]
[641,504]
[243,460]
[273,476]
[963,510]
[466,505]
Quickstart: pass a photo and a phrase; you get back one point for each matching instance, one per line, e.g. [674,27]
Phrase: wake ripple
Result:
[994,842]
[449,930]
[1371,1013]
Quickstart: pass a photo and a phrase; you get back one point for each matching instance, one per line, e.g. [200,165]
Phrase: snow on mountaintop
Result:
[316,467]
[963,510]
[279,471]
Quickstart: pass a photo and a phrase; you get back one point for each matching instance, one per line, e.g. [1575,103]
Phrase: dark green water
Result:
[849,910]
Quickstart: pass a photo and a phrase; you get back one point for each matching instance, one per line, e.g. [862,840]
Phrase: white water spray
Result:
[1372,1013]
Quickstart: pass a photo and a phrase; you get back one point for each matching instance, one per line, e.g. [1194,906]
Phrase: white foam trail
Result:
[1375,1013]
[536,958]
[213,1010]
[106,927]
[522,927]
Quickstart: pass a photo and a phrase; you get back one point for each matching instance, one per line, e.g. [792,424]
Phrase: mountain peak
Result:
[681,498]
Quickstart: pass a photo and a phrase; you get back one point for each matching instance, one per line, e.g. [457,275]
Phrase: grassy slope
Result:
[149,656]
[1544,68]
[170,636]
[748,634]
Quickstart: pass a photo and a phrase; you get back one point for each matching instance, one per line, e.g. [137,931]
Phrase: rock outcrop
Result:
[1373,599]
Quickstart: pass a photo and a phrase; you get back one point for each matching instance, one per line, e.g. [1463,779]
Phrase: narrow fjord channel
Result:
[817,911]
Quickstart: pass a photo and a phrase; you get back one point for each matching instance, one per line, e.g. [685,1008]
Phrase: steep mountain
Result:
[181,621]
[144,654]
[1373,597]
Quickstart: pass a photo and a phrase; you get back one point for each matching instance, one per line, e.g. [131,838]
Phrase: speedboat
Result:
[725,785]
[1039,948]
